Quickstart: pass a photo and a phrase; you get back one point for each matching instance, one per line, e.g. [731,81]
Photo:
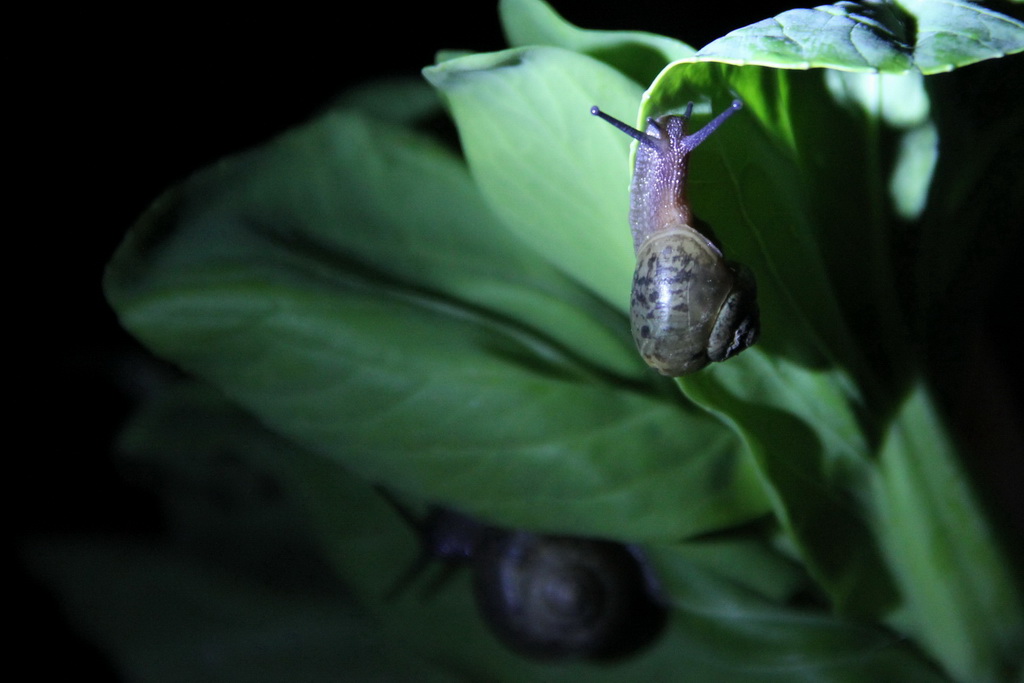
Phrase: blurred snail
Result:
[689,306]
[544,596]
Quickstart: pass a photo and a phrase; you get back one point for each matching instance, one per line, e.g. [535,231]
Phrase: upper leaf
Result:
[954,34]
[552,174]
[638,55]
[928,35]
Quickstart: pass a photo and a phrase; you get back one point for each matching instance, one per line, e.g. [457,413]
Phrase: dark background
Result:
[116,108]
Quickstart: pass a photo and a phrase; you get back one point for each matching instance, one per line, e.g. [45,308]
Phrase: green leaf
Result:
[638,55]
[551,171]
[163,615]
[293,279]
[848,36]
[236,588]
[930,36]
[935,538]
[725,593]
[810,452]
[720,626]
[725,632]
[954,34]
[719,629]
[402,99]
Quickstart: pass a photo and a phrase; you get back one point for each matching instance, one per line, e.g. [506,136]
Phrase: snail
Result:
[544,596]
[689,306]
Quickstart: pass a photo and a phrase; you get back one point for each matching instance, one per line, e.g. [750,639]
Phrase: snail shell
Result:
[544,596]
[557,596]
[689,306]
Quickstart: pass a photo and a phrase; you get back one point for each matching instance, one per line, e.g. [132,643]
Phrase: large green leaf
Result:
[163,615]
[552,172]
[353,298]
[811,456]
[930,36]
[954,34]
[726,632]
[638,55]
[935,538]
[724,594]
[840,36]
[236,588]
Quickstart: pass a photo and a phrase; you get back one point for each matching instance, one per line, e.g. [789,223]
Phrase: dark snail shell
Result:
[545,596]
[557,596]
[689,306]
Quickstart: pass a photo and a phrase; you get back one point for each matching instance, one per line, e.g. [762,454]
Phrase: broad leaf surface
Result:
[929,36]
[640,56]
[527,109]
[293,279]
[934,537]
[724,594]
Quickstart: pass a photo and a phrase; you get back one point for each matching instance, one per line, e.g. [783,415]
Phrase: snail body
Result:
[689,306]
[547,596]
